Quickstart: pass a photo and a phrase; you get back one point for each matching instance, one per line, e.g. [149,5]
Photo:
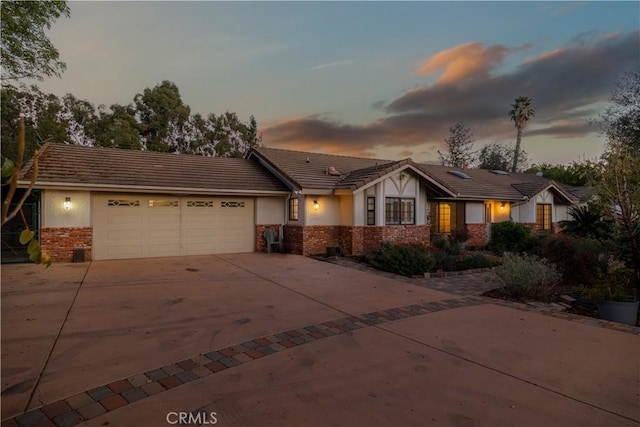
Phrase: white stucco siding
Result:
[328,212]
[359,206]
[528,212]
[422,206]
[270,210]
[561,213]
[405,187]
[515,213]
[54,214]
[474,213]
[346,210]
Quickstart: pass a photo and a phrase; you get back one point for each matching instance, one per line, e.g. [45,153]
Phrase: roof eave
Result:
[40,185]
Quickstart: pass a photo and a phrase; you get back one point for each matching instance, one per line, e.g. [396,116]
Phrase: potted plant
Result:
[614,294]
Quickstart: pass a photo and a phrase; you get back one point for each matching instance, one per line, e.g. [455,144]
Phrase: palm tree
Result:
[586,221]
[521,112]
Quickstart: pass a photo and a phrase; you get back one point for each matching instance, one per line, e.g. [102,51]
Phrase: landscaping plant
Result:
[527,277]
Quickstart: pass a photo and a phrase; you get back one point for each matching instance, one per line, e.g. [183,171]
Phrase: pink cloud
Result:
[465,61]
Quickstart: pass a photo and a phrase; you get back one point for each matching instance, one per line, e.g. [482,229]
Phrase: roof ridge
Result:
[322,154]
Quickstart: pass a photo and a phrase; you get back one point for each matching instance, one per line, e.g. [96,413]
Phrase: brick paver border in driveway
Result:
[108,397]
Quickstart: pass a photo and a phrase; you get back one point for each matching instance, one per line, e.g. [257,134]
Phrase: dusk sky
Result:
[373,79]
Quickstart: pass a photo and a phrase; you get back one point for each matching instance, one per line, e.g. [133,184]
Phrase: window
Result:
[164,203]
[371,211]
[447,217]
[232,204]
[543,217]
[444,218]
[293,209]
[399,211]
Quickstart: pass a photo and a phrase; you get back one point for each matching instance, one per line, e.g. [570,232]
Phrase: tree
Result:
[520,113]
[499,157]
[619,193]
[26,50]
[621,120]
[576,174]
[162,117]
[10,174]
[459,144]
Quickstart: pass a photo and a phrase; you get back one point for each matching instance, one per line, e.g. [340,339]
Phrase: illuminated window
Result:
[444,218]
[543,217]
[293,209]
[371,211]
[399,211]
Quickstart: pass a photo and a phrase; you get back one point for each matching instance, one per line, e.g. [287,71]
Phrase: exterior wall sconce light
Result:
[316,205]
[502,206]
[67,203]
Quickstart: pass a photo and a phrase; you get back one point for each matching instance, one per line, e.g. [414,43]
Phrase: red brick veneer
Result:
[60,242]
[478,236]
[261,244]
[356,240]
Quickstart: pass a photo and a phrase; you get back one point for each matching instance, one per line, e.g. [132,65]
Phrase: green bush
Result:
[528,277]
[579,260]
[406,260]
[509,236]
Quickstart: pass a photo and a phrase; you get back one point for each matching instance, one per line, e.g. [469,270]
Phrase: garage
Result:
[142,226]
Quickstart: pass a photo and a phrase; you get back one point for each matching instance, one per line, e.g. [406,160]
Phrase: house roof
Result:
[304,170]
[486,184]
[311,170]
[62,165]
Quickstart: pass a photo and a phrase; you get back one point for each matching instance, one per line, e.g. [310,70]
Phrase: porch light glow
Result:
[67,203]
[502,206]
[316,205]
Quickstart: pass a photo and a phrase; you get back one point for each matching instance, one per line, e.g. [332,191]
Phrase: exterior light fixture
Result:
[67,203]
[502,206]
[316,205]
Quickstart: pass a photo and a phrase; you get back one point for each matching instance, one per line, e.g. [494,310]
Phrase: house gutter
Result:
[146,189]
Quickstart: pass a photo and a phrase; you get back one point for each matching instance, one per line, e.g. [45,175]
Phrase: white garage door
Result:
[129,226]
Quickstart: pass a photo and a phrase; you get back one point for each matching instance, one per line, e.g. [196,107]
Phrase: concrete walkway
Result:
[287,340]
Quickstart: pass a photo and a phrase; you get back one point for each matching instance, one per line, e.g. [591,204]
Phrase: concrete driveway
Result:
[257,339]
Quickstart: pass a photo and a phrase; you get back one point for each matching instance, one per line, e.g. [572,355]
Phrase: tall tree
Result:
[459,145]
[621,120]
[26,51]
[162,117]
[520,113]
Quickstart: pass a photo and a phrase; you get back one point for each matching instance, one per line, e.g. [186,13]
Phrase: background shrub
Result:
[578,260]
[406,260]
[528,277]
[509,236]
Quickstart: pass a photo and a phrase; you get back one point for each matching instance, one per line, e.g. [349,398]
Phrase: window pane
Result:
[444,218]
[293,209]
[407,211]
[371,211]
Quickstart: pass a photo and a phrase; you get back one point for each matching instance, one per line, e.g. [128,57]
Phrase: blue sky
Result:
[383,79]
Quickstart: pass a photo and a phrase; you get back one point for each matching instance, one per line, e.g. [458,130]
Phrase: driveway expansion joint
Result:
[122,392]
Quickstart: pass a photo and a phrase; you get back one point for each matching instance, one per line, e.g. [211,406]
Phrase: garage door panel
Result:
[126,226]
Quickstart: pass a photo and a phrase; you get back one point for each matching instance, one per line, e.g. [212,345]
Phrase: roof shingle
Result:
[75,164]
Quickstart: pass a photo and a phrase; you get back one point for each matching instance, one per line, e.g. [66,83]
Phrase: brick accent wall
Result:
[59,243]
[478,235]
[555,227]
[404,234]
[318,237]
[261,243]
[293,239]
[356,240]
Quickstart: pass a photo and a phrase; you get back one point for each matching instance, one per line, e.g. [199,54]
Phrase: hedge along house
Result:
[116,204]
